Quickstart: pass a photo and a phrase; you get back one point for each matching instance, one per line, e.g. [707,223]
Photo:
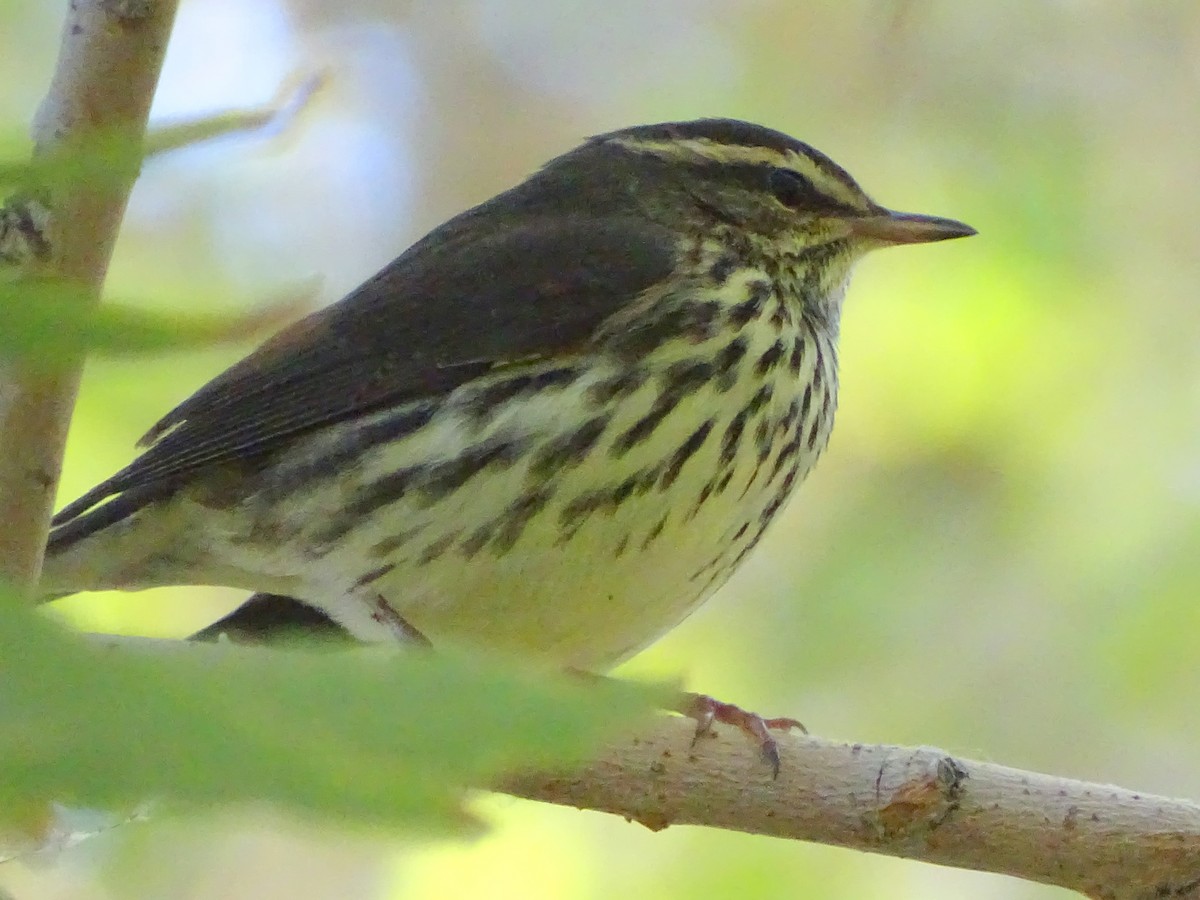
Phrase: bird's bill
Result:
[907,228]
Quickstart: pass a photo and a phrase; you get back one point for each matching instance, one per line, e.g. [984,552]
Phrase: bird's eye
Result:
[791,188]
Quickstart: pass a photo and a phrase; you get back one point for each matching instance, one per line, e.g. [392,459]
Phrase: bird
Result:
[551,428]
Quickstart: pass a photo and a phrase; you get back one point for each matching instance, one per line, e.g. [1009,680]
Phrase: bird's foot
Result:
[707,710]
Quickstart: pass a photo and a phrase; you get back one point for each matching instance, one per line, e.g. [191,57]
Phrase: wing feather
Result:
[475,293]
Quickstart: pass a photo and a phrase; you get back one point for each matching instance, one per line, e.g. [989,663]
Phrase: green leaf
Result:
[369,737]
[99,162]
[52,322]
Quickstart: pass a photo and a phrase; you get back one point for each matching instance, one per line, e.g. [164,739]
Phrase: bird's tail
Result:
[121,544]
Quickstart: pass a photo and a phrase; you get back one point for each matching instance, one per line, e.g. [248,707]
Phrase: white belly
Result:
[579,558]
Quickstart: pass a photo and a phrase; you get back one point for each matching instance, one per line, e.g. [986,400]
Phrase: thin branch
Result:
[292,98]
[919,803]
[108,66]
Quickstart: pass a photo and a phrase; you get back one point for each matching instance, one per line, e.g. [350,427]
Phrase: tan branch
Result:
[108,66]
[918,803]
[913,802]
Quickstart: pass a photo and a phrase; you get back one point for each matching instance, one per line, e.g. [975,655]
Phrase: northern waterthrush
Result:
[553,426]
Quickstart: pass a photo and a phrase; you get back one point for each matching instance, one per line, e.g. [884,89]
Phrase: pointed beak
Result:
[906,228]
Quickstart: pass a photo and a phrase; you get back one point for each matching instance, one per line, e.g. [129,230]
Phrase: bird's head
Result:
[762,182]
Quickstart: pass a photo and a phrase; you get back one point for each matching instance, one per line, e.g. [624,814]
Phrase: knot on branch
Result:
[24,223]
[916,794]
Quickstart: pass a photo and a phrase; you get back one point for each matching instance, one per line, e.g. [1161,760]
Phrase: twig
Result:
[918,803]
[108,66]
[293,97]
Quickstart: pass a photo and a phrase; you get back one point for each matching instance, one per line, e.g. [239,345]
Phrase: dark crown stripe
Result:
[736,133]
[731,132]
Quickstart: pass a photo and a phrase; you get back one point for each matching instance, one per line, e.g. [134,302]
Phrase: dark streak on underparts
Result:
[446,477]
[727,359]
[438,547]
[654,532]
[512,522]
[644,427]
[733,438]
[391,544]
[814,432]
[769,359]
[433,482]
[685,452]
[606,499]
[482,403]
[679,380]
[723,268]
[806,403]
[570,449]
[750,309]
[477,540]
[665,322]
[368,498]
[617,387]
[373,575]
[796,360]
[286,481]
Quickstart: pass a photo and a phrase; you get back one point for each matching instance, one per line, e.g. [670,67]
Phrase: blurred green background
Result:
[999,554]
